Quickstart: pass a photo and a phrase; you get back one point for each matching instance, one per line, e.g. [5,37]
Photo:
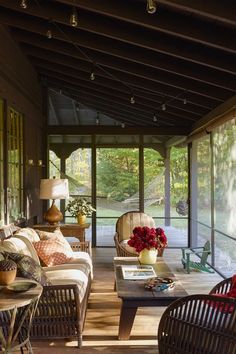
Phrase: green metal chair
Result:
[202,252]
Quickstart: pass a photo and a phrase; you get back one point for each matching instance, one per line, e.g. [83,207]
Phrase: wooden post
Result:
[167,187]
[193,198]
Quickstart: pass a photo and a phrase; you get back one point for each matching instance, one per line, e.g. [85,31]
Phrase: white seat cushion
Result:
[67,277]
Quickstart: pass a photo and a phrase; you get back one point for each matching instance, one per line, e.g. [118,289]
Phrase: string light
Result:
[122,125]
[74,17]
[92,74]
[97,119]
[185,101]
[151,6]
[132,99]
[163,106]
[23,4]
[49,34]
[154,118]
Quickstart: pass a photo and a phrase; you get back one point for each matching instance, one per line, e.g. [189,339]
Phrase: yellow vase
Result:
[148,256]
[81,219]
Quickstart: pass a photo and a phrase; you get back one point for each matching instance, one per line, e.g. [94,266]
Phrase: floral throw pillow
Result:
[57,234]
[53,252]
[27,267]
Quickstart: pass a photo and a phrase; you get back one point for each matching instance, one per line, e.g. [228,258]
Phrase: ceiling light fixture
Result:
[151,6]
[92,74]
[132,99]
[97,119]
[163,106]
[74,17]
[23,4]
[49,34]
[154,118]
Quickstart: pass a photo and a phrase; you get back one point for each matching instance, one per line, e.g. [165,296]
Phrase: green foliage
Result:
[117,173]
[179,174]
[79,206]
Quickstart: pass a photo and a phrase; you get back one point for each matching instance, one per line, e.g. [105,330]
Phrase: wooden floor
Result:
[103,313]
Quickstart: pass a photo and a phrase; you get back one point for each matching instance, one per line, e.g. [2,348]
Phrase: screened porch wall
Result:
[213,190]
[121,174]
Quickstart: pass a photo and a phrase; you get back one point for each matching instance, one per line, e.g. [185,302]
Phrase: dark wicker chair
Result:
[124,227]
[196,324]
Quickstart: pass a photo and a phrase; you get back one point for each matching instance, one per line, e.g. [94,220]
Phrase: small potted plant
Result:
[80,208]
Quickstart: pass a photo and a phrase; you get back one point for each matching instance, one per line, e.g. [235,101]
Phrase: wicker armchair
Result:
[124,228]
[203,324]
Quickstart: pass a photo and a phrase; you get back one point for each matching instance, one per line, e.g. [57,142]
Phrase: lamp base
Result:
[53,215]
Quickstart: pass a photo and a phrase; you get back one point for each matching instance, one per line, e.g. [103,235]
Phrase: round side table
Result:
[16,314]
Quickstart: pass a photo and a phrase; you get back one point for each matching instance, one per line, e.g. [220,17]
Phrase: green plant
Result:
[77,206]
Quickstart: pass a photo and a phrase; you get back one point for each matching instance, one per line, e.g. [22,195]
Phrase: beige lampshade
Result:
[54,189]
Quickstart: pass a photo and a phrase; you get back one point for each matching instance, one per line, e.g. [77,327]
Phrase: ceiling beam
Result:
[84,86]
[139,84]
[165,79]
[184,28]
[107,130]
[182,49]
[208,10]
[166,64]
[76,74]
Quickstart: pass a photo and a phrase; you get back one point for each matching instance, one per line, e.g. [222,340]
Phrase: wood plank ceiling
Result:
[178,63]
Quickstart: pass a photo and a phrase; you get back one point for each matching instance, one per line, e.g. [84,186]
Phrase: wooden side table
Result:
[68,230]
[16,314]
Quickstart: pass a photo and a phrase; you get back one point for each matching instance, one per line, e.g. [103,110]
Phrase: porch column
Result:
[167,187]
[193,197]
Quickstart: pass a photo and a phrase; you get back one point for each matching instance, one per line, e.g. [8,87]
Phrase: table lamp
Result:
[53,189]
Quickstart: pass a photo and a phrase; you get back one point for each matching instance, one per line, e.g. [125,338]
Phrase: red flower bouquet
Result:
[146,237]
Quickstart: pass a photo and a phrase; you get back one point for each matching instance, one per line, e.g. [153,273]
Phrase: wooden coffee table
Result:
[134,295]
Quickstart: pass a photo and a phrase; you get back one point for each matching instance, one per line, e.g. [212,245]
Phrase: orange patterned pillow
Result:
[52,252]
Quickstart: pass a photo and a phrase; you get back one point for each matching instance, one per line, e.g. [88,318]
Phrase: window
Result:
[15,165]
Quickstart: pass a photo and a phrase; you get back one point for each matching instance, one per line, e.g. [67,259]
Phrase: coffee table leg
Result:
[127,315]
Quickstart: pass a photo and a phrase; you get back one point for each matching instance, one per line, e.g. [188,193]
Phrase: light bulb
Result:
[49,34]
[132,99]
[74,18]
[154,118]
[151,6]
[163,107]
[122,125]
[23,4]
[185,101]
[92,76]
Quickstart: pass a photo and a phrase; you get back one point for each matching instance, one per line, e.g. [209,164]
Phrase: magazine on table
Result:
[135,272]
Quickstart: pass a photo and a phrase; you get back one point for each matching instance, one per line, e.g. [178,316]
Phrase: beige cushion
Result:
[31,234]
[66,266]
[127,222]
[129,249]
[44,235]
[53,252]
[16,245]
[82,258]
[69,276]
[30,247]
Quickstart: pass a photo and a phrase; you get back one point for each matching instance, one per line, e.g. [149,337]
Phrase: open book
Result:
[135,272]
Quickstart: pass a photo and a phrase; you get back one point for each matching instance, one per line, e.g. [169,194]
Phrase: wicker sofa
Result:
[62,307]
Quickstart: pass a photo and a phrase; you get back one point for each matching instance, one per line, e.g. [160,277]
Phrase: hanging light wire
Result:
[84,54]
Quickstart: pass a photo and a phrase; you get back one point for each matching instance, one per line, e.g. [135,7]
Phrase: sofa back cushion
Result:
[57,234]
[29,233]
[17,245]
